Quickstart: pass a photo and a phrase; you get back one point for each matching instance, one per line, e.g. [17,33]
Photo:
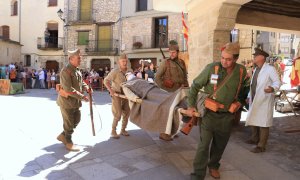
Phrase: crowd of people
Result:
[31,78]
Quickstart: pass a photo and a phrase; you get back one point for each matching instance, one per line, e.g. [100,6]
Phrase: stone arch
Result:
[210,29]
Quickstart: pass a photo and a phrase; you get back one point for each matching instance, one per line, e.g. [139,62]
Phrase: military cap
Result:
[123,56]
[173,47]
[73,52]
[231,48]
[260,52]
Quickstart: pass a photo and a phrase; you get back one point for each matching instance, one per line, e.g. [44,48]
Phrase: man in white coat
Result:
[265,81]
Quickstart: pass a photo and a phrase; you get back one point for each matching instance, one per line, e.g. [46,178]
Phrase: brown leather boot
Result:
[124,133]
[114,134]
[72,147]
[258,149]
[62,138]
[214,173]
[165,137]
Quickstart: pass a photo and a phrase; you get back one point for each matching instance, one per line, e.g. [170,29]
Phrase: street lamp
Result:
[60,14]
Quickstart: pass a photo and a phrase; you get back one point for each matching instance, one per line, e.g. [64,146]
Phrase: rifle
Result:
[162,53]
[191,123]
[91,108]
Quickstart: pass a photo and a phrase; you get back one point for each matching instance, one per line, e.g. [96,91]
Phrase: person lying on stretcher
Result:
[157,109]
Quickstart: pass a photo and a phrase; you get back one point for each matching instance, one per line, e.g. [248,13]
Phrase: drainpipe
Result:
[120,28]
[20,21]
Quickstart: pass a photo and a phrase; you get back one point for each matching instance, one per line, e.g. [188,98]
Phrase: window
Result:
[14,8]
[5,32]
[284,38]
[27,60]
[141,5]
[83,38]
[52,3]
[284,50]
[161,32]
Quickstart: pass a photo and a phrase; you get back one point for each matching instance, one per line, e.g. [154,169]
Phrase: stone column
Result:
[209,29]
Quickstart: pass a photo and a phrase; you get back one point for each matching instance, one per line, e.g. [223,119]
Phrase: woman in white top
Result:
[53,79]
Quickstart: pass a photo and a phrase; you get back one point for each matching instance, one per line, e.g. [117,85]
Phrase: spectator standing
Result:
[41,74]
[53,79]
[265,81]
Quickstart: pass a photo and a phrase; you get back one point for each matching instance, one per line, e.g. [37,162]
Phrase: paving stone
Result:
[100,171]
[66,174]
[81,164]
[178,161]
[143,165]
[188,155]
[134,153]
[117,159]
[28,173]
[30,168]
[165,172]
[152,148]
[46,161]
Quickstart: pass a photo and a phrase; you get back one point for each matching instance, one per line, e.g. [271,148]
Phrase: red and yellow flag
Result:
[184,29]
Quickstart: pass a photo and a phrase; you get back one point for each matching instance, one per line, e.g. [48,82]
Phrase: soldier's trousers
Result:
[260,135]
[71,118]
[215,131]
[120,108]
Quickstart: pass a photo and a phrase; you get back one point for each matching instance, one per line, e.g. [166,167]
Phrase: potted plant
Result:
[137,45]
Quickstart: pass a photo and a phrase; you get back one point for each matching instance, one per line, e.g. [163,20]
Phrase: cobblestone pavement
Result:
[30,123]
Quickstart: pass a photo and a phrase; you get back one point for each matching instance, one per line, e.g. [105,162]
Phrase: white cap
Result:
[73,52]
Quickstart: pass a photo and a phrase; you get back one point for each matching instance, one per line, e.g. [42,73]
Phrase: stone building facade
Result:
[93,26]
[145,30]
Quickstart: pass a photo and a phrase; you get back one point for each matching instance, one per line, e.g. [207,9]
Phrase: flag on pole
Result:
[184,29]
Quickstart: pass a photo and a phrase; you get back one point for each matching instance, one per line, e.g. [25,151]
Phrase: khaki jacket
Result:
[177,74]
[116,77]
[71,82]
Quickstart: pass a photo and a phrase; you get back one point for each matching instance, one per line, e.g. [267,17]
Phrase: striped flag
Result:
[184,29]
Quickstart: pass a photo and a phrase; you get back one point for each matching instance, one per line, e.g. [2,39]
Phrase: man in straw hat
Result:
[224,81]
[70,97]
[171,70]
[265,81]
[120,106]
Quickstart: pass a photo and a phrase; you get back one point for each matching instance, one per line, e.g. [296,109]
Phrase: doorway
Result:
[52,65]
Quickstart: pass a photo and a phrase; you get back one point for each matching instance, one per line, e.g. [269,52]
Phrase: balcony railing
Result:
[82,16]
[150,42]
[52,43]
[103,47]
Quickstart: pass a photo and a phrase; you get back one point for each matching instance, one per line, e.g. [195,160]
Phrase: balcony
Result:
[109,47]
[82,16]
[152,42]
[54,43]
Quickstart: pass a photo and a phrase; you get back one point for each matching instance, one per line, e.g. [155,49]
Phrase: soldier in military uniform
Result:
[120,106]
[216,126]
[172,69]
[70,97]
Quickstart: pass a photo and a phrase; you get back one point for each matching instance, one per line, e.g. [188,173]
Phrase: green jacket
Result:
[226,94]
[72,82]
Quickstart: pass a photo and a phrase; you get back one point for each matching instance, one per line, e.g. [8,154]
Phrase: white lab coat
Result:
[261,109]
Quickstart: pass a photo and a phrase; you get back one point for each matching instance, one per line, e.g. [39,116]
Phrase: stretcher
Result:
[157,110]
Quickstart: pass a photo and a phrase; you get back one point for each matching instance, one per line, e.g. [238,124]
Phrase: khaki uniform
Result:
[177,73]
[120,106]
[71,81]
[215,126]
